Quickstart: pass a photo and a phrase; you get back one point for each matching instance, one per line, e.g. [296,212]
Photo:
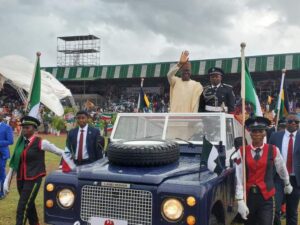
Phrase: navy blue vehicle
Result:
[151,175]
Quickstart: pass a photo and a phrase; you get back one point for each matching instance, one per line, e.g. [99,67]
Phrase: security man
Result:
[217,97]
[260,161]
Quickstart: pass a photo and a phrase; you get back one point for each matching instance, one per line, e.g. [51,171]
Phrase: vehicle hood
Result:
[105,171]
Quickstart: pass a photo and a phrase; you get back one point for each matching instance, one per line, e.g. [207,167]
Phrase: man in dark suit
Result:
[6,139]
[217,97]
[85,142]
[288,141]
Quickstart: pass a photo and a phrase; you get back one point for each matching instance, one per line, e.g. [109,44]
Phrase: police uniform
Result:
[30,172]
[259,163]
[218,98]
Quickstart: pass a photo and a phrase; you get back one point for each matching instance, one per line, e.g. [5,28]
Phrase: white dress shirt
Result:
[279,166]
[285,143]
[216,86]
[85,154]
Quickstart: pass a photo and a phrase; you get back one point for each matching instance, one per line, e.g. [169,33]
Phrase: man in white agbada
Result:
[184,92]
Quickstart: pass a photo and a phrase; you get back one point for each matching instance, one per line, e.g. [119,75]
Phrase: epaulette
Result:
[227,85]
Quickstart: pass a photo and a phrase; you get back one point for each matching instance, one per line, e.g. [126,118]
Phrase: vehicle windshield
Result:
[167,126]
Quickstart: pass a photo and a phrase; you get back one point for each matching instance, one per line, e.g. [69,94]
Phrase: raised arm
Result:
[173,70]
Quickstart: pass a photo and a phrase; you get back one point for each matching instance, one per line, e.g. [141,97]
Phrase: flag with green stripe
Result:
[31,110]
[210,157]
[250,95]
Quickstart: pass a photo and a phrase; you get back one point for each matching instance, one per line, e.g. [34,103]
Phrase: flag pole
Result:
[243,95]
[279,98]
[139,99]
[38,54]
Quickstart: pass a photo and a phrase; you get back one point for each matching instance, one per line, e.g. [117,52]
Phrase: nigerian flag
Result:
[32,109]
[250,95]
[210,157]
[35,96]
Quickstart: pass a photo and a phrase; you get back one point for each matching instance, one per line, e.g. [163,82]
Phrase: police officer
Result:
[260,160]
[217,97]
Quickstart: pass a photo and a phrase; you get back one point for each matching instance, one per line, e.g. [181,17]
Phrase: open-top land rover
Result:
[151,175]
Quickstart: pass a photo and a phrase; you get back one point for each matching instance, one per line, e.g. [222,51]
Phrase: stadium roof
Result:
[264,63]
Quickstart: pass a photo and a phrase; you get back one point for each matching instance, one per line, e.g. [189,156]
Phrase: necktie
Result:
[26,143]
[80,148]
[257,155]
[215,88]
[289,159]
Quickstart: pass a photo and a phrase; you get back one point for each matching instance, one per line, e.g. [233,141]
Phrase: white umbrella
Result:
[19,71]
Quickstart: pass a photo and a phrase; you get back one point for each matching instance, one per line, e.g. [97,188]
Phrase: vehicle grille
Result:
[134,206]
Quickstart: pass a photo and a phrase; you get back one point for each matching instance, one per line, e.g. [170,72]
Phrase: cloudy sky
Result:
[142,31]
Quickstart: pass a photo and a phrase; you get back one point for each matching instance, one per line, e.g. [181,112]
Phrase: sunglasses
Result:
[293,121]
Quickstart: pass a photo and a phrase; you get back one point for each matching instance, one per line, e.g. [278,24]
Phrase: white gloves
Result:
[7,182]
[288,189]
[243,209]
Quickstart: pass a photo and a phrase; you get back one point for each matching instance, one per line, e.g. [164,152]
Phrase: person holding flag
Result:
[28,159]
[184,92]
[28,162]
[260,160]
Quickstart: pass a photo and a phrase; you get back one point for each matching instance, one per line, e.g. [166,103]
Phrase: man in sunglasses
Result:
[184,92]
[288,141]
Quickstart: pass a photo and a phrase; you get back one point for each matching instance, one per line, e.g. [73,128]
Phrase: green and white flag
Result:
[250,95]
[210,157]
[35,95]
[32,110]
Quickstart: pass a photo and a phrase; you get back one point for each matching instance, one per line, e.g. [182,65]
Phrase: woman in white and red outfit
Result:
[260,160]
[29,163]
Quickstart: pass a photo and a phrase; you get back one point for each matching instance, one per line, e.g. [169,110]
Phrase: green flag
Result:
[32,110]
[210,157]
[35,96]
[250,95]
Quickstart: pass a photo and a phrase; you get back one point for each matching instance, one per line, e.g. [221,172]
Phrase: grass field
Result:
[9,204]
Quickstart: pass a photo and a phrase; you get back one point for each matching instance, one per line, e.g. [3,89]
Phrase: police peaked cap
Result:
[29,120]
[257,123]
[216,70]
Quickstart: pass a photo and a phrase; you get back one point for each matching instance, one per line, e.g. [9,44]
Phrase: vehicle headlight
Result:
[66,198]
[172,209]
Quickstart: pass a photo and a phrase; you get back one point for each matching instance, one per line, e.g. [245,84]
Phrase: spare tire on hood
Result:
[143,152]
